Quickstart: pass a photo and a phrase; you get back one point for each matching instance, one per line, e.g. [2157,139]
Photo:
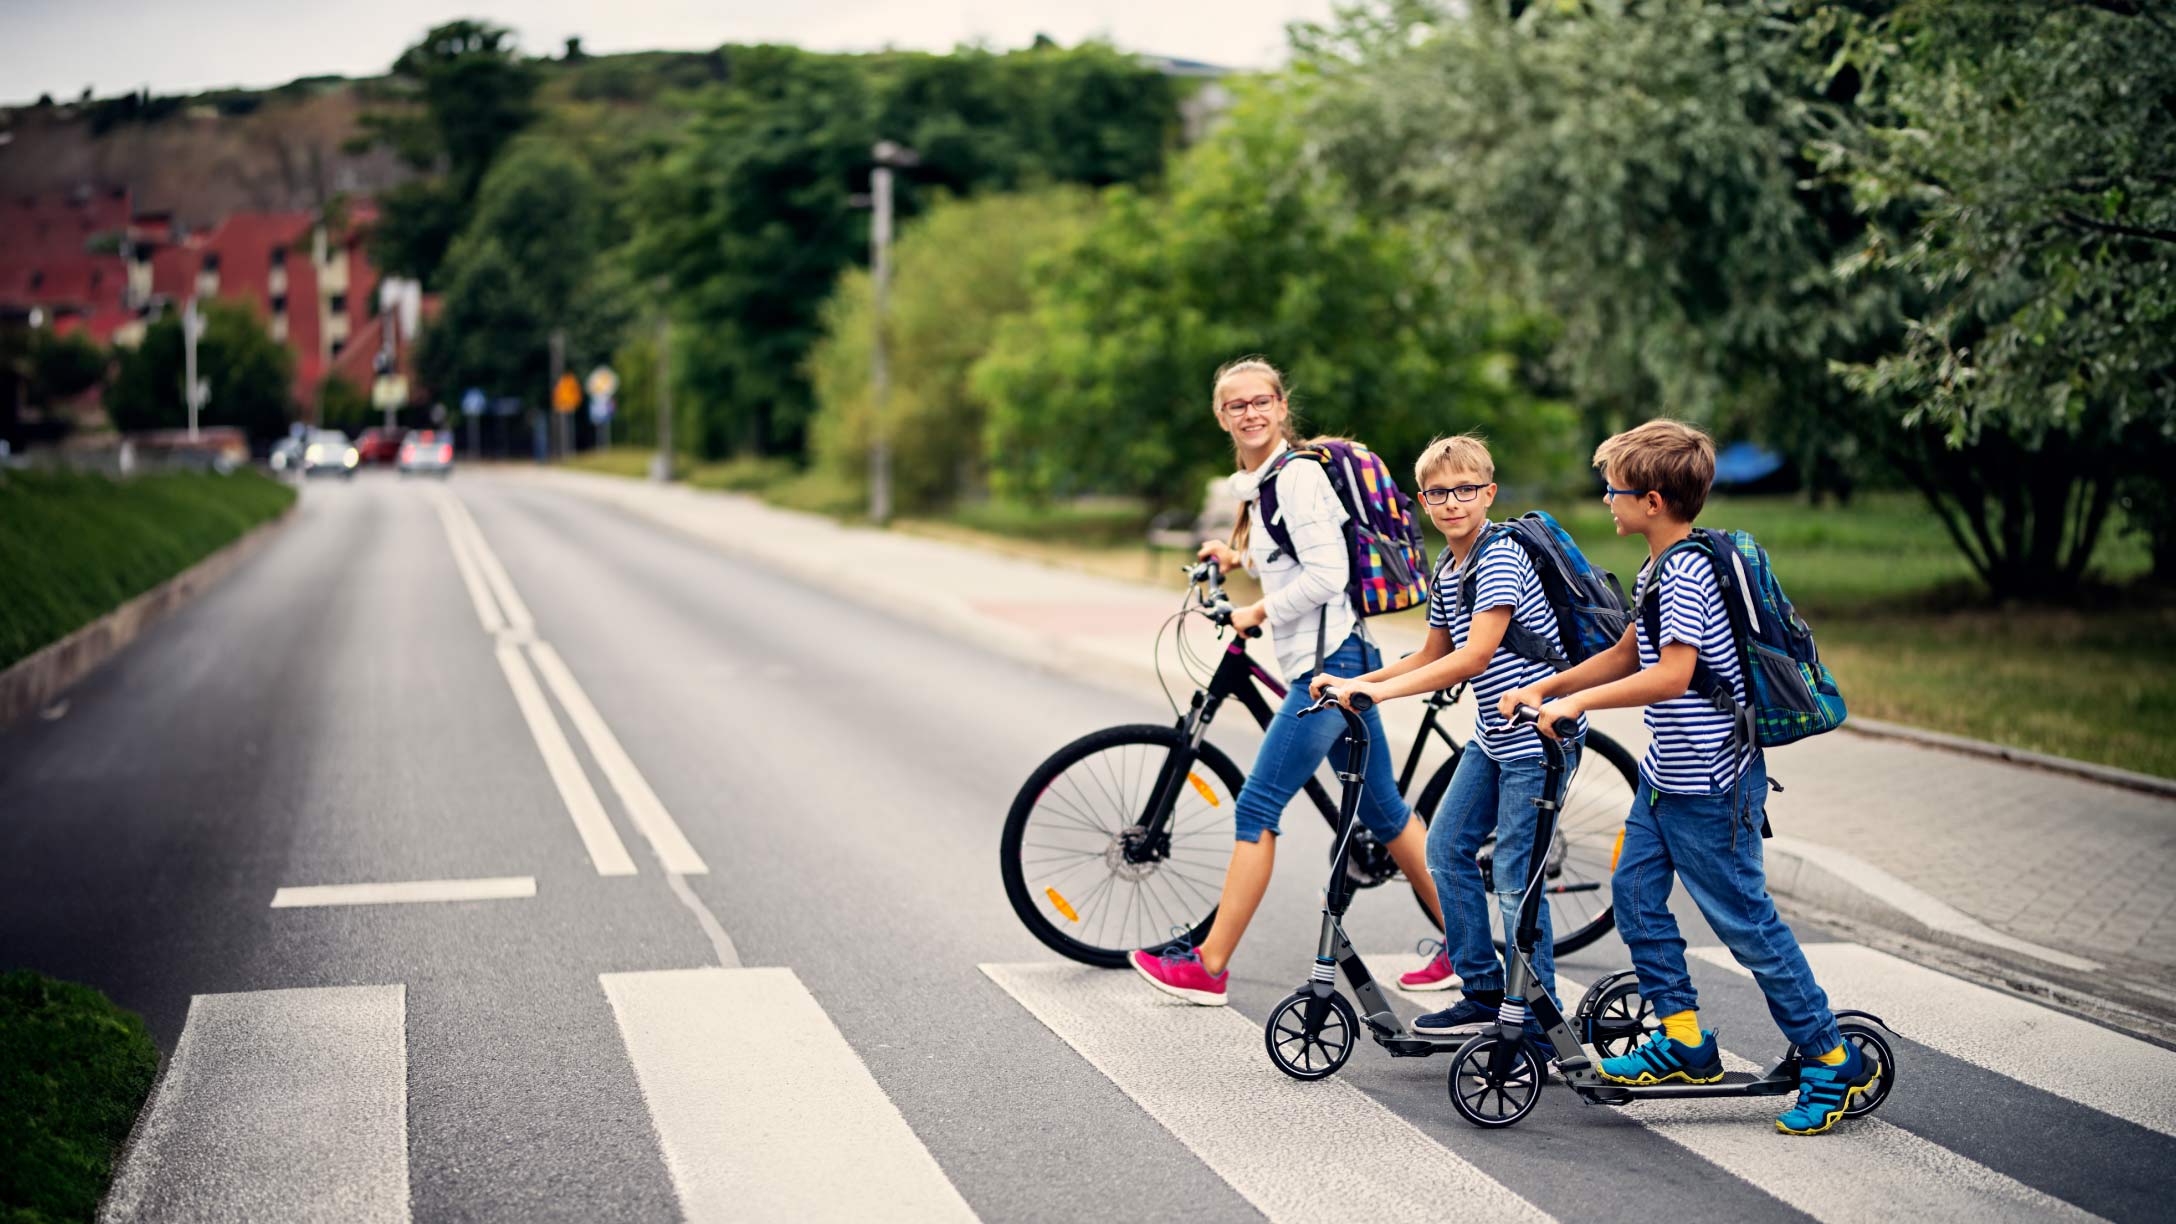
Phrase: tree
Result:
[1103,384]
[343,405]
[471,94]
[522,266]
[2023,155]
[959,271]
[251,376]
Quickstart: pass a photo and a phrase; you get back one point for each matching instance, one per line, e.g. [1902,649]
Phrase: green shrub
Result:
[74,1071]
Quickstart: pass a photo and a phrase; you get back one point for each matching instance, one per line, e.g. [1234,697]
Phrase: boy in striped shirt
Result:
[1703,790]
[1500,774]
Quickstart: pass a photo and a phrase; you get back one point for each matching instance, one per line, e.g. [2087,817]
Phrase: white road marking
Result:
[713,930]
[278,1105]
[518,619]
[2036,1045]
[763,1110]
[1302,1152]
[487,612]
[497,888]
[642,804]
[1893,1174]
[606,850]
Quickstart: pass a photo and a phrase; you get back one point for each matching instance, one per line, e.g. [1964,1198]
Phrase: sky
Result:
[183,46]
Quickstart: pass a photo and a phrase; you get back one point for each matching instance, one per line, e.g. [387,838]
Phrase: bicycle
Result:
[1123,835]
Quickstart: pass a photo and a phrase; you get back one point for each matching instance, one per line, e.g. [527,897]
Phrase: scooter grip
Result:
[1361,703]
[1566,728]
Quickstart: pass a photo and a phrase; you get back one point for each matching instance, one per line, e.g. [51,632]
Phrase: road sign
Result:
[389,391]
[474,401]
[567,396]
[603,383]
[600,409]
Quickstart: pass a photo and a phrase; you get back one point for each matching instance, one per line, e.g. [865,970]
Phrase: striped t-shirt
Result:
[1504,577]
[1689,751]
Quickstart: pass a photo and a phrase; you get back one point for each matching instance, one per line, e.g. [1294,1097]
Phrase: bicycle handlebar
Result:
[1218,607]
[1361,702]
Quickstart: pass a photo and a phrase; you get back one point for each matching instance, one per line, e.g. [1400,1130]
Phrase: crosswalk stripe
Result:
[1295,1151]
[763,1110]
[2035,1045]
[278,1105]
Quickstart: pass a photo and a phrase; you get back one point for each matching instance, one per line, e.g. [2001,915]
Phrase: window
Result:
[211,261]
[279,303]
[279,257]
[339,304]
[338,345]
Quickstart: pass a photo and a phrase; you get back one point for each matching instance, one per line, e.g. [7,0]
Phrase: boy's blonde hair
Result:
[1668,457]
[1466,452]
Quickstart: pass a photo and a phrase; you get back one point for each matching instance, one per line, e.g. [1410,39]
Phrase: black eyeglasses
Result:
[1464,493]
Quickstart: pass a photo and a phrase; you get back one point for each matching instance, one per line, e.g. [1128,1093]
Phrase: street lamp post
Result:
[888,154]
[193,388]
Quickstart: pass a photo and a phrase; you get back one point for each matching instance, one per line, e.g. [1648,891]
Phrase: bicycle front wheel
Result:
[1074,869]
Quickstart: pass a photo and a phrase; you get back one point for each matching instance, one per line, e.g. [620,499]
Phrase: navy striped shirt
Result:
[1689,751]
[1504,577]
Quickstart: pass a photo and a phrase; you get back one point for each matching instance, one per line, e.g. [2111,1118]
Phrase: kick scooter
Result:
[1496,1077]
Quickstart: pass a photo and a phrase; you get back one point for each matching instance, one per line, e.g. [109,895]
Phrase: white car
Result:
[429,451]
[328,451]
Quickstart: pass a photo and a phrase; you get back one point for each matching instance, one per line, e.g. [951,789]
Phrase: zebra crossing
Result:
[291,1105]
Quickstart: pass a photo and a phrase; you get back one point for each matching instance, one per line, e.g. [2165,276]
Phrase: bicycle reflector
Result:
[1616,850]
[1203,787]
[1064,907]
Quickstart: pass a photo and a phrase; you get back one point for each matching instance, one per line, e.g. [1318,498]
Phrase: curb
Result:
[37,679]
[2109,775]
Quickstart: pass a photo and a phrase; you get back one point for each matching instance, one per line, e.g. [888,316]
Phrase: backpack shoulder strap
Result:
[1705,683]
[1265,497]
[1518,639]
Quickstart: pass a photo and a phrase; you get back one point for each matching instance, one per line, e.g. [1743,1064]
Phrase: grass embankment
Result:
[74,1070]
[1902,622]
[74,547]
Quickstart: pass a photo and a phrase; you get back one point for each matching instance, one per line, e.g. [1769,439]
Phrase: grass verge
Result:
[75,546]
[74,1071]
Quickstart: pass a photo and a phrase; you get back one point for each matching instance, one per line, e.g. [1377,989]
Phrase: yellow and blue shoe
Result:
[1825,1092]
[1662,1058]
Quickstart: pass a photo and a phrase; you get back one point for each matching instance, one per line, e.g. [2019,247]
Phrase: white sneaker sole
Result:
[1423,987]
[1201,998]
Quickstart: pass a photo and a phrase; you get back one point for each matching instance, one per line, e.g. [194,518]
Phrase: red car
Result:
[379,445]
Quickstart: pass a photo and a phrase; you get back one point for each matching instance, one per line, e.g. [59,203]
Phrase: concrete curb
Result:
[2106,774]
[36,680]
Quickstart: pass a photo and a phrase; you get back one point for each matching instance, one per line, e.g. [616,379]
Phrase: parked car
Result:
[428,451]
[379,445]
[330,452]
[287,454]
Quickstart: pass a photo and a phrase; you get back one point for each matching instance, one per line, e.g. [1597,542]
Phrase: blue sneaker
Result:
[1824,1093]
[1662,1058]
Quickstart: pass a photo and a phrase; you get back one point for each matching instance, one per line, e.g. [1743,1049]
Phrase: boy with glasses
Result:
[1702,797]
[1500,774]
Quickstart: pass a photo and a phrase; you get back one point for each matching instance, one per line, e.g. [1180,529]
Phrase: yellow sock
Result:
[1683,1028]
[1833,1058]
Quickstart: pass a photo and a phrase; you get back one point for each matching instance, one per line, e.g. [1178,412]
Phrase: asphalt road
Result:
[340,711]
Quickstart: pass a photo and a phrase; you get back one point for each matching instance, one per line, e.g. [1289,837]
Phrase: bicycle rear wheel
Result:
[1595,805]
[1065,856]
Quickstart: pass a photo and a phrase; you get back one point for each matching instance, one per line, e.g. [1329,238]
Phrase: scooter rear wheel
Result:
[1872,1044]
[1310,1036]
[1494,1082]
[1620,1020]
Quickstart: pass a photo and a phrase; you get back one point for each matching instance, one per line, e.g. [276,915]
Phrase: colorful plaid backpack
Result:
[1590,607]
[1793,695]
[1389,571]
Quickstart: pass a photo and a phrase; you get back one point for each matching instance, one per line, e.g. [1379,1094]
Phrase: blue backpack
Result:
[1591,611]
[1793,694]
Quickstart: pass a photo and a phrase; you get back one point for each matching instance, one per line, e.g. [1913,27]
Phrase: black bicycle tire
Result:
[1023,805]
[1596,744]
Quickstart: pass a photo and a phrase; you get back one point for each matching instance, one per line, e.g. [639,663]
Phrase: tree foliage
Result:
[1103,384]
[959,271]
[251,376]
[470,93]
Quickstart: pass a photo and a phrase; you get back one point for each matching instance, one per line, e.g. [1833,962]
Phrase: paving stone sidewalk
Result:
[2081,868]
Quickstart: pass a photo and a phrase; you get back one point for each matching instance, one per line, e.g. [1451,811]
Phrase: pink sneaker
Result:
[1435,975]
[1177,970]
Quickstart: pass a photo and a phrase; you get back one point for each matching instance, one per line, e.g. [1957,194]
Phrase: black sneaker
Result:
[1470,1016]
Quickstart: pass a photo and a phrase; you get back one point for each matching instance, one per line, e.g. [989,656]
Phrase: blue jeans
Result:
[1489,796]
[1294,746]
[1716,849]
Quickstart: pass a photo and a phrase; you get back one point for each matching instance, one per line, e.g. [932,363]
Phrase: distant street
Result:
[709,925]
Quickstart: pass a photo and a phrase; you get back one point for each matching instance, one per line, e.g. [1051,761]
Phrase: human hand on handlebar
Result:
[1354,695]
[1226,557]
[1322,681]
[1250,616]
[1564,710]
[1507,706]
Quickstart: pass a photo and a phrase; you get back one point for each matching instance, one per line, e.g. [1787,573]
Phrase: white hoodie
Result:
[1307,591]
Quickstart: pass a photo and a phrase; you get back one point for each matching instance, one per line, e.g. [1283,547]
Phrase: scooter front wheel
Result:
[1310,1036]
[1495,1081]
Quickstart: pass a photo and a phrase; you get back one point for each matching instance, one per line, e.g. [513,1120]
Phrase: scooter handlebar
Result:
[1565,728]
[1361,702]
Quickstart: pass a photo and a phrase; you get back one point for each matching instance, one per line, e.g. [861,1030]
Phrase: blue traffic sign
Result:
[474,401]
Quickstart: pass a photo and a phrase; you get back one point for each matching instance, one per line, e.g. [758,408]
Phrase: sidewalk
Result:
[2067,887]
